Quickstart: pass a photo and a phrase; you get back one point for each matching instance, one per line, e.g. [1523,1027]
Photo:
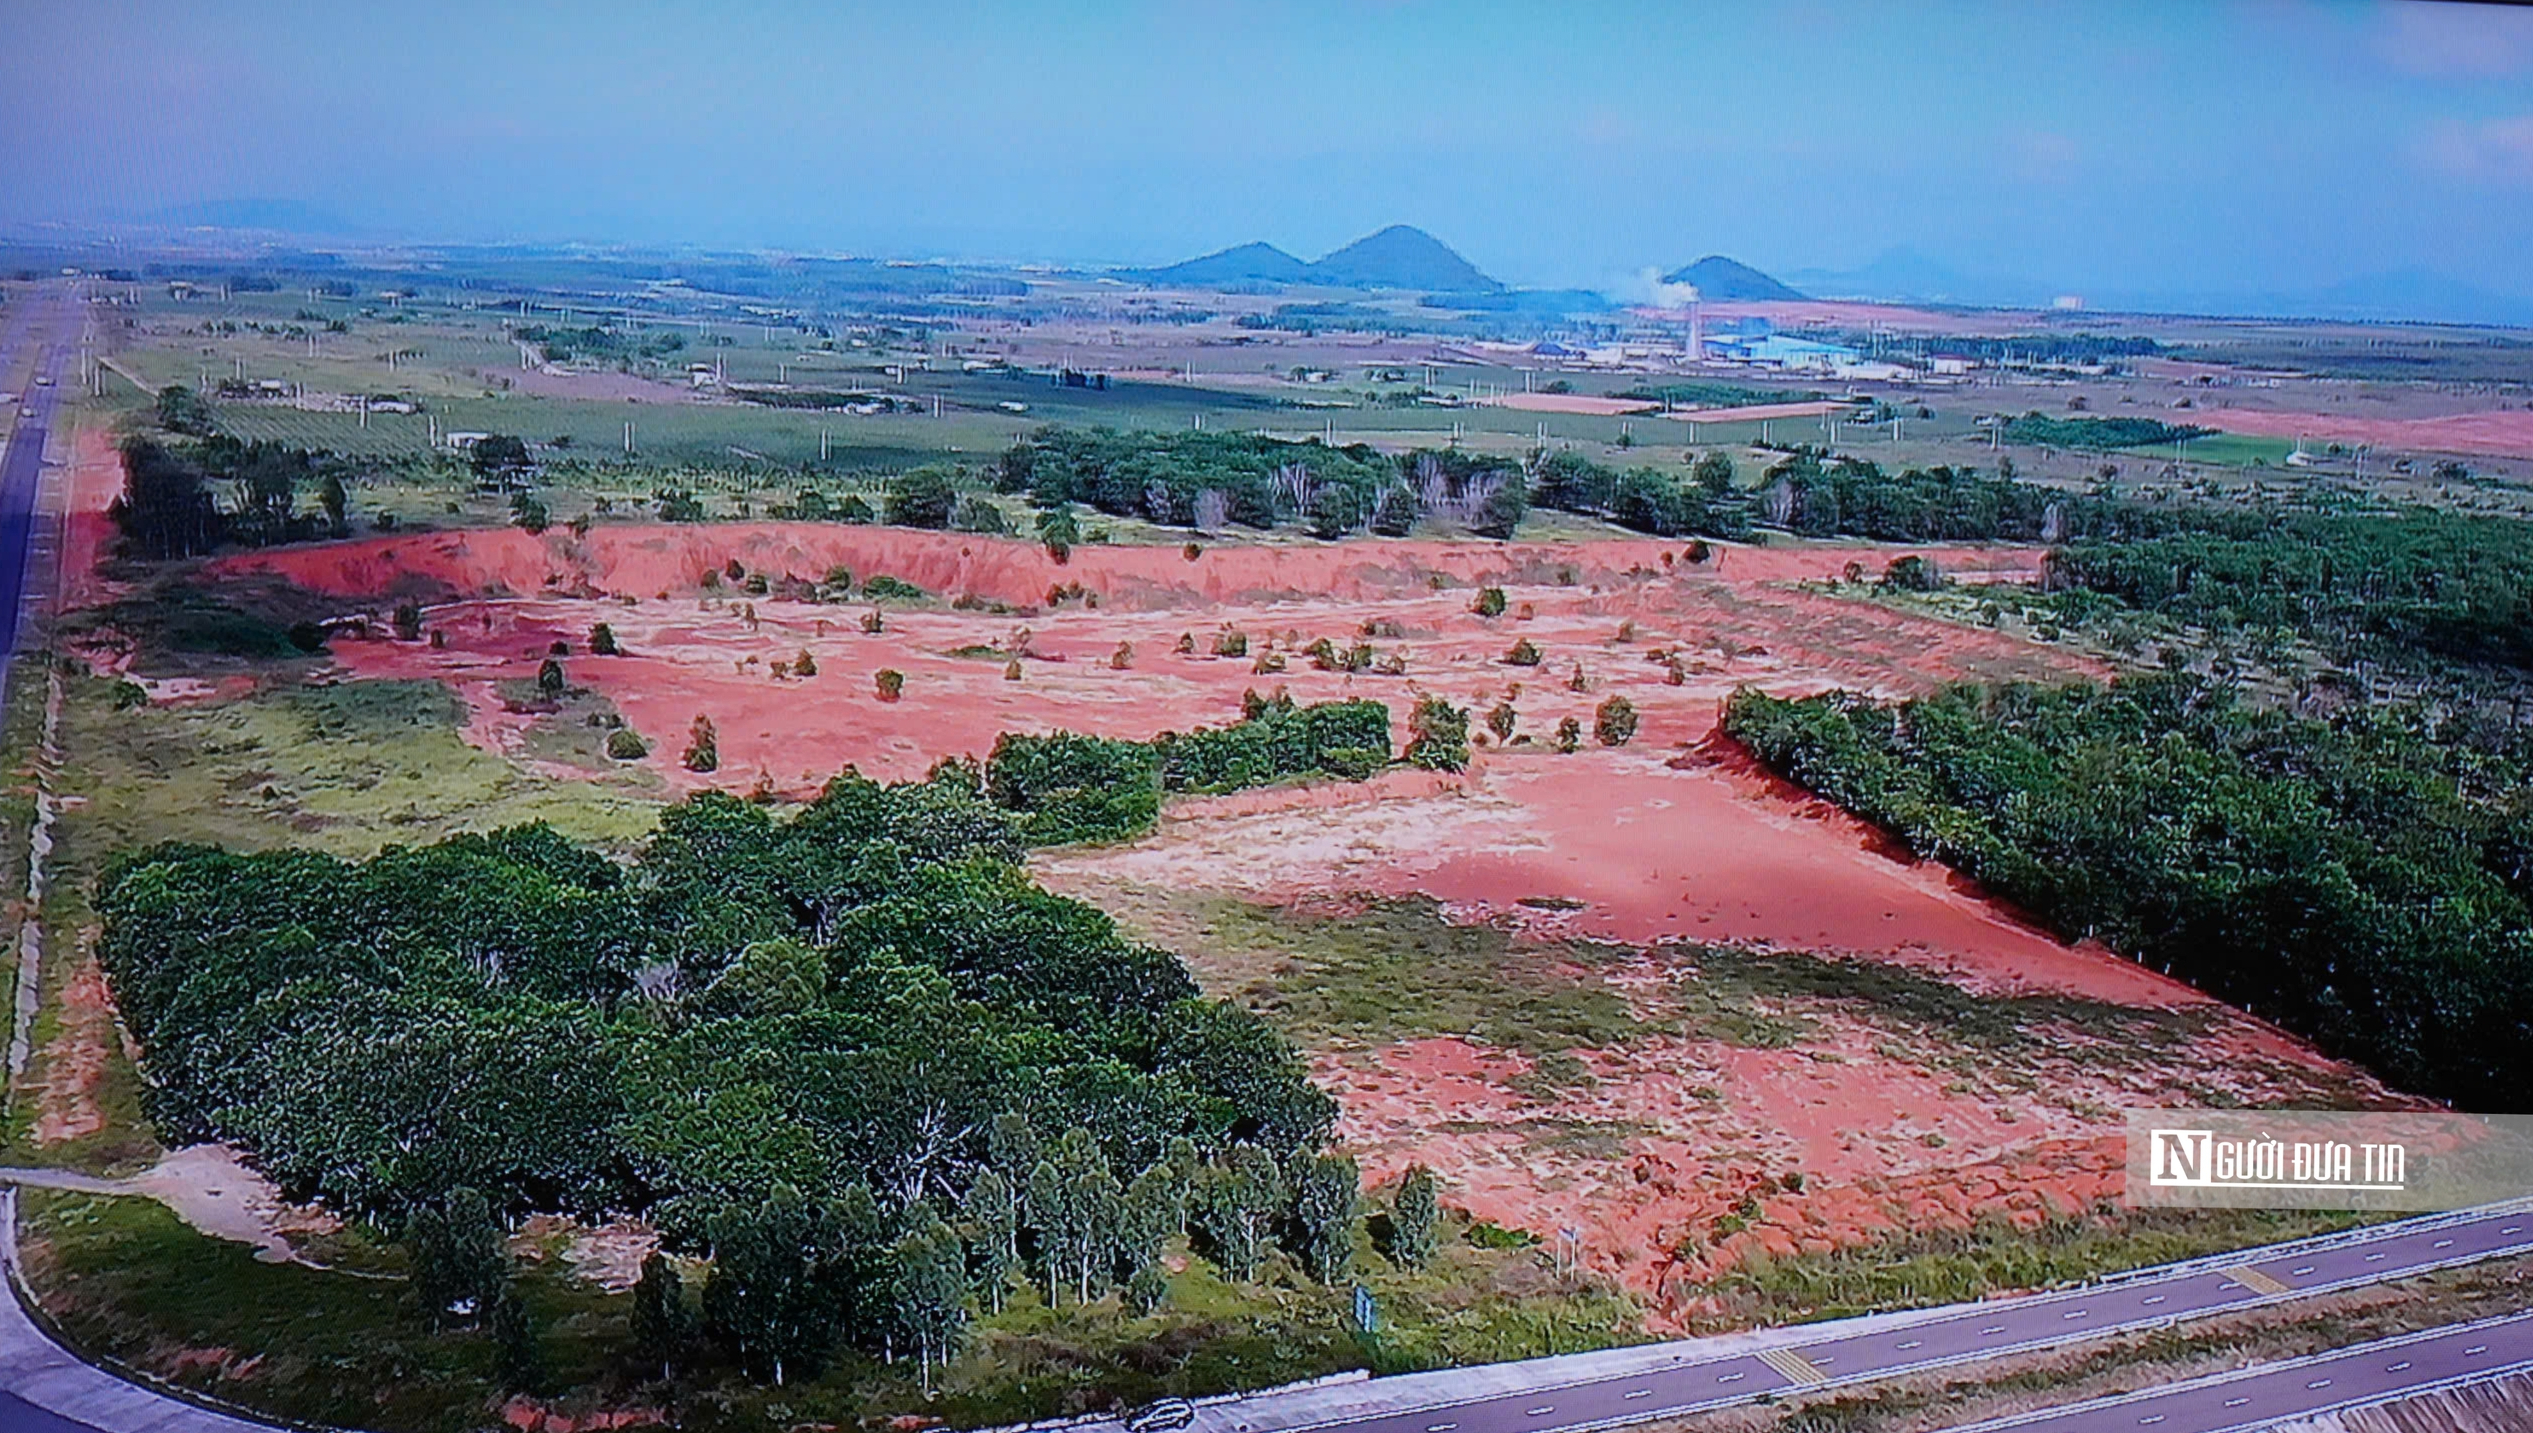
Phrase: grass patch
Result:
[126,1280]
[346,768]
[1397,970]
[1922,1268]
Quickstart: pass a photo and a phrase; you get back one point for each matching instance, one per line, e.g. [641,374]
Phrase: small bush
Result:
[626,744]
[602,641]
[872,622]
[703,747]
[1069,787]
[891,683]
[1500,721]
[1524,653]
[1440,740]
[1569,735]
[1614,721]
[804,665]
[1490,602]
[408,622]
[1231,642]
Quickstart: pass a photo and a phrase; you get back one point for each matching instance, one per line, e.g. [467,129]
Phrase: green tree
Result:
[550,681]
[662,1327]
[923,497]
[1416,1217]
[516,1357]
[1059,531]
[931,1290]
[498,457]
[993,1221]
[455,1248]
[776,1299]
[1235,1202]
[602,640]
[1714,473]
[335,501]
[1326,1190]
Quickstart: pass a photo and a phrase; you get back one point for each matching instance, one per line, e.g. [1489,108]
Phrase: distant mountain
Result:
[1402,257]
[1716,277]
[281,216]
[1398,257]
[1253,263]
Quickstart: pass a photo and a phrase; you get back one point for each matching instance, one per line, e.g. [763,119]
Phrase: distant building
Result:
[1945,365]
[463,440]
[1774,350]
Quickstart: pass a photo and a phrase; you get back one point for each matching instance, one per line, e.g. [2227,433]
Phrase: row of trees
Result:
[1210,481]
[170,502]
[2362,881]
[1066,787]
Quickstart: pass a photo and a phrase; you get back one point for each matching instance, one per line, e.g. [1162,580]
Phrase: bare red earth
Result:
[1674,836]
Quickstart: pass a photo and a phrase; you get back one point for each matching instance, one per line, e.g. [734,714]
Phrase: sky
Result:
[2119,148]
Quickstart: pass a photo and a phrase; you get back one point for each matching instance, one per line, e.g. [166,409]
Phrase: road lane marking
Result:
[1793,1365]
[2157,1299]
[1638,1393]
[2319,1383]
[2236,1402]
[1912,1343]
[2258,1282]
[1542,1411]
[2442,1244]
[1991,1330]
[2476,1350]
[2398,1367]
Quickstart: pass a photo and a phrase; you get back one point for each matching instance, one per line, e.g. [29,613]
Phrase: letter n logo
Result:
[2180,1156]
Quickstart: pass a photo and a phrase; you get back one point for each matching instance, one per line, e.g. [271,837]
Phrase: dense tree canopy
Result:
[2360,881]
[850,996]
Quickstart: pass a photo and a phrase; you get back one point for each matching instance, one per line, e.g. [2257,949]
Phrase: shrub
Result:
[1912,574]
[626,744]
[891,683]
[1440,735]
[804,665]
[1569,735]
[602,641]
[1353,763]
[1123,657]
[1490,602]
[1500,721]
[872,622]
[1069,787]
[1614,721]
[1231,642]
[1524,653]
[408,621]
[703,747]
[550,678]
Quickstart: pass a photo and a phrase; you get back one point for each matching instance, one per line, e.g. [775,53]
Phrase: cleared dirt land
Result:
[1643,993]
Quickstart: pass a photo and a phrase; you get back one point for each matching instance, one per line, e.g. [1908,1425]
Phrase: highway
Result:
[1684,1379]
[2265,1394]
[24,1360]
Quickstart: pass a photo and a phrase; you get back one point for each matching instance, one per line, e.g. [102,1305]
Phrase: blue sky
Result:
[2118,147]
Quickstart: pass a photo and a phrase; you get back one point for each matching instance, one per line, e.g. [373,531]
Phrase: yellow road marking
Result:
[1793,1365]
[2258,1282]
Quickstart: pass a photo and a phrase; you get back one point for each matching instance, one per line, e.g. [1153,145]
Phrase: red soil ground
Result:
[1730,620]
[1673,836]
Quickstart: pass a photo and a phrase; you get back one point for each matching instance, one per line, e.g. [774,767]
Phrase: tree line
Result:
[2363,881]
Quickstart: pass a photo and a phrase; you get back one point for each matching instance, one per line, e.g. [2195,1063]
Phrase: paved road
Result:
[1686,1378]
[2257,1397]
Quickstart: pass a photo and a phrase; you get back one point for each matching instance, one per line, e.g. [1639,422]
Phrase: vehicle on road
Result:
[1162,1416]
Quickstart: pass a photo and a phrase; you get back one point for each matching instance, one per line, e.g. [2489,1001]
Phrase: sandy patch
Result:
[211,1189]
